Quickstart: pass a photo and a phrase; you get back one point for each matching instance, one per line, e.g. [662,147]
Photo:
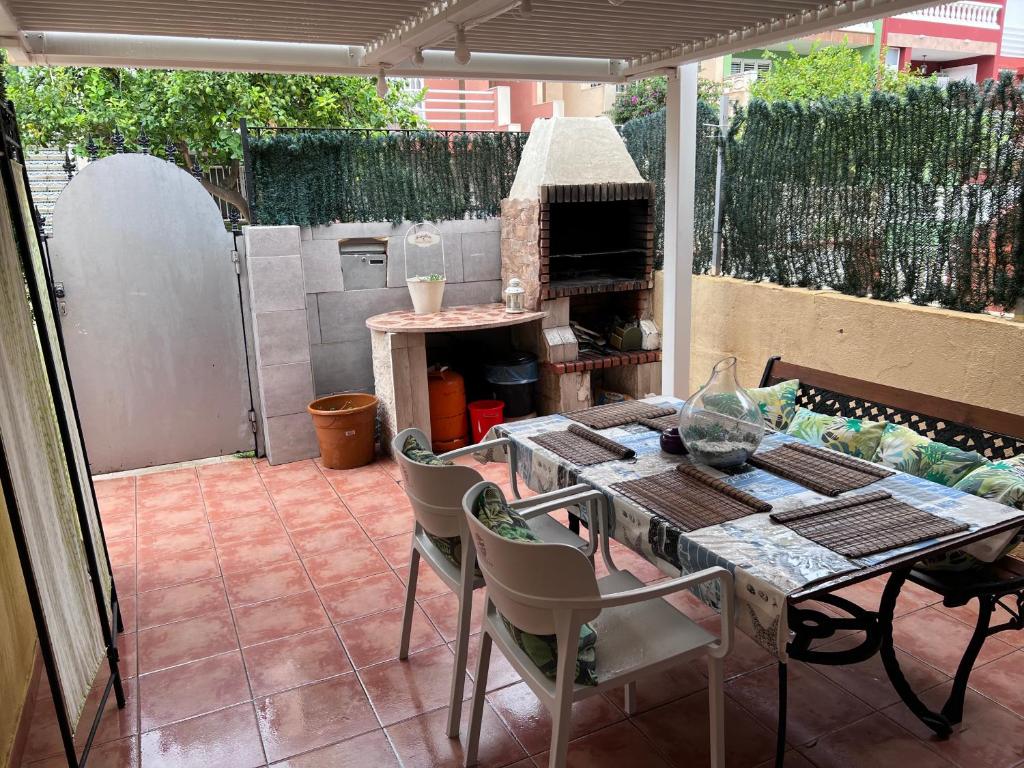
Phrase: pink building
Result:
[506,105]
[963,40]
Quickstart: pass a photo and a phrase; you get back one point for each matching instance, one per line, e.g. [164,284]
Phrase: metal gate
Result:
[148,292]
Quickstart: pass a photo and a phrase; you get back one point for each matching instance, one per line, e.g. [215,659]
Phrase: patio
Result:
[262,599]
[262,608]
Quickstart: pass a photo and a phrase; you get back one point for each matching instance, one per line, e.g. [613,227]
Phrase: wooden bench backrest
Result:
[994,434]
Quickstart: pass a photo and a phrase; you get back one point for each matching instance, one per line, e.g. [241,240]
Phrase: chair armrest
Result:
[555,500]
[653,591]
[520,504]
[510,453]
[469,450]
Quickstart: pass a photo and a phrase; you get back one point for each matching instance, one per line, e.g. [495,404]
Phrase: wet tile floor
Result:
[262,612]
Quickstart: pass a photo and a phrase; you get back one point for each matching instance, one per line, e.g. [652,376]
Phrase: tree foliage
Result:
[645,97]
[198,111]
[828,72]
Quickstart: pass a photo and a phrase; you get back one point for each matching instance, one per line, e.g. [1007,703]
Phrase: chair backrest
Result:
[994,434]
[524,578]
[435,491]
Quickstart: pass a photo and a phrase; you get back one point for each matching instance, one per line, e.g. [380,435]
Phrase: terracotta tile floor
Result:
[262,612]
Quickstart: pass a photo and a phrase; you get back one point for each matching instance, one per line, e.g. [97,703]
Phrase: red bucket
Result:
[484,414]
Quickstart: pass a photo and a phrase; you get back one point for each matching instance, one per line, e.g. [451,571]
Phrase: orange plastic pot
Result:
[346,426]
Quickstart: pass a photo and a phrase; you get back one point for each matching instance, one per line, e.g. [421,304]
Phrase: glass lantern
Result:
[514,295]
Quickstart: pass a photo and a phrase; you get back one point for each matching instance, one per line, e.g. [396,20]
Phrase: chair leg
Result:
[716,711]
[630,697]
[561,725]
[953,709]
[410,603]
[461,654]
[479,688]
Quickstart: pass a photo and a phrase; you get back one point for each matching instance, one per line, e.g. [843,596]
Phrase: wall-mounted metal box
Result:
[364,262]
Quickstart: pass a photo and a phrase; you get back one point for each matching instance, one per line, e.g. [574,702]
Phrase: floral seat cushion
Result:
[904,449]
[777,403]
[491,510]
[854,437]
[449,546]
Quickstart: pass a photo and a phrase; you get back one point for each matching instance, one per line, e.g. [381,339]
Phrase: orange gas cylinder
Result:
[447,407]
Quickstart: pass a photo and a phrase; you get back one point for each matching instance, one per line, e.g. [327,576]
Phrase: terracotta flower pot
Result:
[346,426]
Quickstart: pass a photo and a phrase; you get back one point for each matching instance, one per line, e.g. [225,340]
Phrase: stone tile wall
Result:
[339,341]
[280,341]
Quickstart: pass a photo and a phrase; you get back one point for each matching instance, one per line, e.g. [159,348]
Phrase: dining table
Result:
[782,580]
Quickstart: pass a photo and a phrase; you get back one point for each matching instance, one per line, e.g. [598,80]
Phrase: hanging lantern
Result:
[514,296]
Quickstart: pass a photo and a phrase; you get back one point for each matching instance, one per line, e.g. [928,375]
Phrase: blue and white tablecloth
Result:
[769,561]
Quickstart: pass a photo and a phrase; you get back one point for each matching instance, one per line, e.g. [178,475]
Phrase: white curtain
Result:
[41,484]
[48,329]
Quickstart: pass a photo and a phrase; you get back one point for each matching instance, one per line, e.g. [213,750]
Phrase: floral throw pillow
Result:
[1001,481]
[854,437]
[777,403]
[491,510]
[904,449]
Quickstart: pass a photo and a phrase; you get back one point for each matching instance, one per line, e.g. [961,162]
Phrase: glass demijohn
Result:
[720,425]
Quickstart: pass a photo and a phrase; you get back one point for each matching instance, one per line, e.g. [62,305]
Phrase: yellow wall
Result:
[17,638]
[972,358]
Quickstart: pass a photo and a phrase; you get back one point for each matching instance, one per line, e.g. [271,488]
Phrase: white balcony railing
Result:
[965,14]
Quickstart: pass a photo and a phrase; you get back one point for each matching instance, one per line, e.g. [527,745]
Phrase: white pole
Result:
[680,161]
[723,127]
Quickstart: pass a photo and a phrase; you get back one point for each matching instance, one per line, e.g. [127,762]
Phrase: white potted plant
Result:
[425,290]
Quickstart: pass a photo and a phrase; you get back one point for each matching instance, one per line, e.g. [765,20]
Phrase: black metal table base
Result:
[810,625]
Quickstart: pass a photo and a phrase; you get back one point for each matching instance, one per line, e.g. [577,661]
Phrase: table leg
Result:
[886,611]
[780,734]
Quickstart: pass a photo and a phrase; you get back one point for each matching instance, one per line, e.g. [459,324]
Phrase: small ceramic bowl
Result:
[671,442]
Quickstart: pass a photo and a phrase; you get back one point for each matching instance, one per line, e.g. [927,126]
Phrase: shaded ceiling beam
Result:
[104,50]
[789,27]
[435,24]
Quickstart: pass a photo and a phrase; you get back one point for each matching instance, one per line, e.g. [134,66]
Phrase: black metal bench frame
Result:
[995,435]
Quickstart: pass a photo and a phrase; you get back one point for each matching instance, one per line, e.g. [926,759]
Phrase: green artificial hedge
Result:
[916,197]
[316,177]
[645,140]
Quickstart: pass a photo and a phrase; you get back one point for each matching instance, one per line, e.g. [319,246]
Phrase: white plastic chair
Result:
[435,493]
[551,589]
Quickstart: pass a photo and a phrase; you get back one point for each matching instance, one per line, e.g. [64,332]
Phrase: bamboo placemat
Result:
[864,525]
[582,446]
[820,469]
[617,414]
[691,498]
[661,423]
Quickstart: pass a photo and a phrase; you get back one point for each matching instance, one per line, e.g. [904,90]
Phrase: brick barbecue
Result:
[578,230]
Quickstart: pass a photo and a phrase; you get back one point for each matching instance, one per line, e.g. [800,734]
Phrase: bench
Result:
[994,434]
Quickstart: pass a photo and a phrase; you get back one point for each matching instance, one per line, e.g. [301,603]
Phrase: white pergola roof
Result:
[559,39]
[586,40]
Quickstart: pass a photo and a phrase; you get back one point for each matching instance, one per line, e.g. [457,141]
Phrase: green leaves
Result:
[828,72]
[67,105]
[642,98]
